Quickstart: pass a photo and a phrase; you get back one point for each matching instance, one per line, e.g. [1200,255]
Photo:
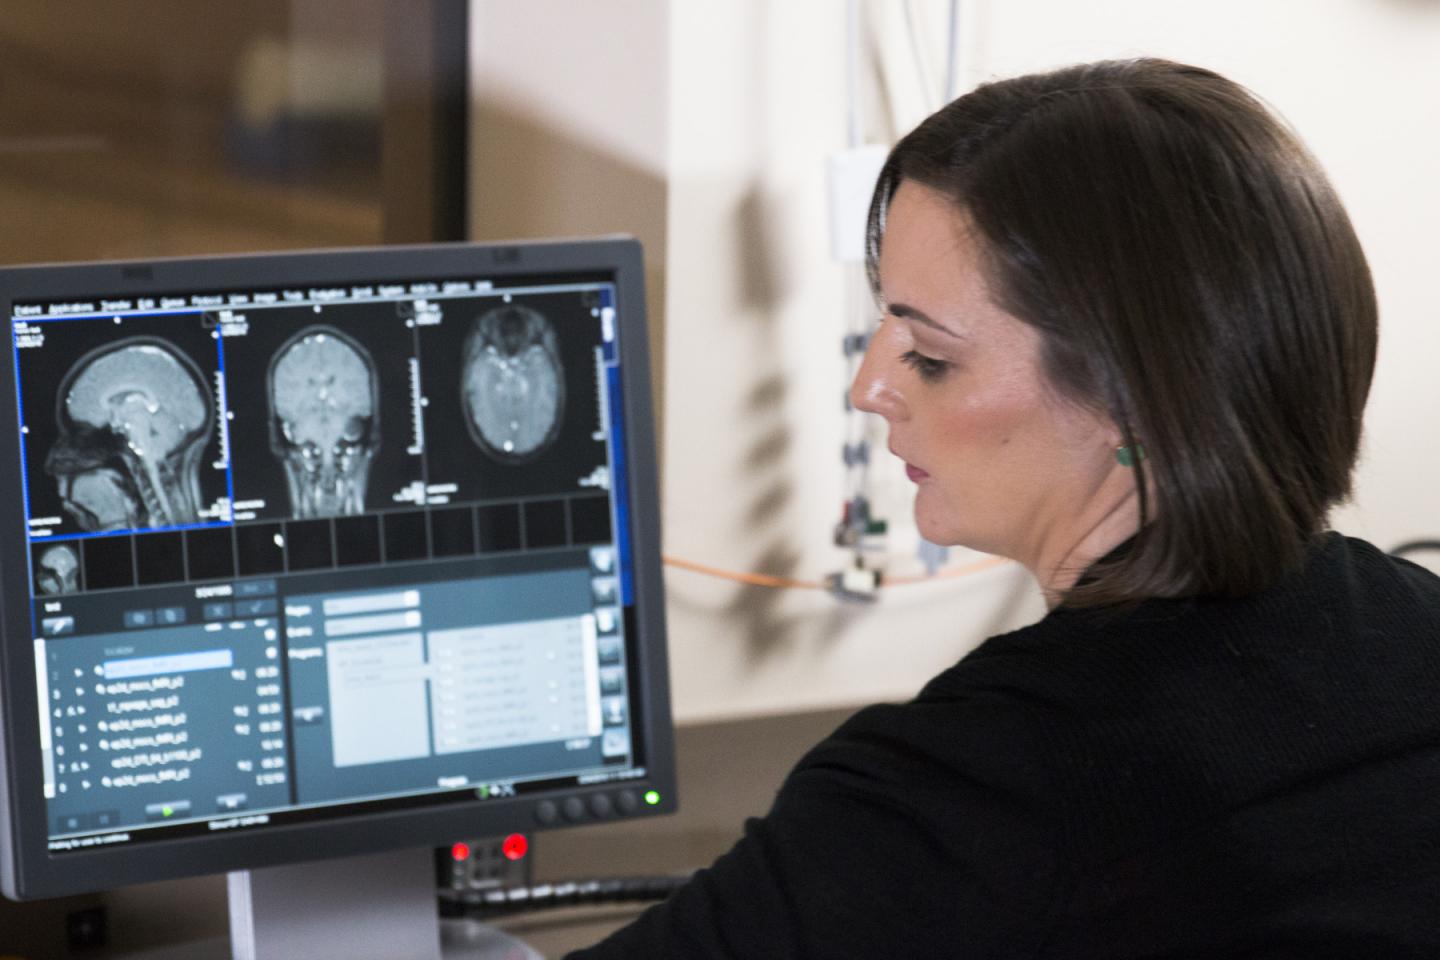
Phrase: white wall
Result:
[751,104]
[594,72]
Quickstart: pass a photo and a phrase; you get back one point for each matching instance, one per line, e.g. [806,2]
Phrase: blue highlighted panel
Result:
[619,481]
[174,663]
[87,387]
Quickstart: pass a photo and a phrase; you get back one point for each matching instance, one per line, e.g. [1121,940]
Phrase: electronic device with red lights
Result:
[494,863]
[325,554]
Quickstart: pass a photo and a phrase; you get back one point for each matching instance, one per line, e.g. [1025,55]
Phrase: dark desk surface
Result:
[727,771]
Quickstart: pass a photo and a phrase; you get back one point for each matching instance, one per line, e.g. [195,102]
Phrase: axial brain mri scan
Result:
[132,417]
[324,421]
[512,383]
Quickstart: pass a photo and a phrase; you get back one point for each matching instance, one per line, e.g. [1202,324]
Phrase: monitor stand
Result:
[372,907]
[379,905]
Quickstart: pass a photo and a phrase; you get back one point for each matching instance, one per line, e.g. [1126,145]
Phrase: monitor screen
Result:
[302,545]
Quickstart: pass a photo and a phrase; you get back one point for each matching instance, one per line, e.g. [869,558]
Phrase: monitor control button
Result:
[600,805]
[627,802]
[546,812]
[175,809]
[169,616]
[219,610]
[139,618]
[58,626]
[574,808]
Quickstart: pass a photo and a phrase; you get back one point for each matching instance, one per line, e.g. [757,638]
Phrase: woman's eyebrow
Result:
[911,313]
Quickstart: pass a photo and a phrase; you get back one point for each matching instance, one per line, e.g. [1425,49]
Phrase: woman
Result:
[1128,338]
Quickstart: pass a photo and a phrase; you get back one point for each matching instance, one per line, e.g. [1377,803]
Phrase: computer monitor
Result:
[315,554]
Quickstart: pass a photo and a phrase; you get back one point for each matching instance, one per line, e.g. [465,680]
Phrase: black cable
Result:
[502,901]
[1415,546]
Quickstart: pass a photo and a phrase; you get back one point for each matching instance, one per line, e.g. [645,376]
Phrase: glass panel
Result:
[165,127]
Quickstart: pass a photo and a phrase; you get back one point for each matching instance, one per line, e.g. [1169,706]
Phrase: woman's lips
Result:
[915,473]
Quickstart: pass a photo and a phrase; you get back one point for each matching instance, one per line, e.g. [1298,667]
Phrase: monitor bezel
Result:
[28,870]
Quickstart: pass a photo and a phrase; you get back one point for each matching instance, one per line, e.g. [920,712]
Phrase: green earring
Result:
[1127,456]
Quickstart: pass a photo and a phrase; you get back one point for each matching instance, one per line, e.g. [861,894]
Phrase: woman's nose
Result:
[874,388]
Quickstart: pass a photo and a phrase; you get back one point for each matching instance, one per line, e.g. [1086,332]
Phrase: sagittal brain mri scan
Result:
[132,417]
[512,383]
[58,571]
[324,421]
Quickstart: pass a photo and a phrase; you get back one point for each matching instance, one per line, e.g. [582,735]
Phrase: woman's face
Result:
[1001,463]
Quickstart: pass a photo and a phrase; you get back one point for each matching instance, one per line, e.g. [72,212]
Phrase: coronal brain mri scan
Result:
[58,571]
[512,383]
[324,420]
[132,417]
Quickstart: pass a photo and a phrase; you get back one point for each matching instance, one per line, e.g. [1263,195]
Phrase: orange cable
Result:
[753,579]
[786,583]
[965,571]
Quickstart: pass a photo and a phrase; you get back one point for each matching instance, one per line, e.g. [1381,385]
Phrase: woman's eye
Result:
[928,367]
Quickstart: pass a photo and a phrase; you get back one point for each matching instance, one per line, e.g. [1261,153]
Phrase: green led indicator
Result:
[652,797]
[484,792]
[167,811]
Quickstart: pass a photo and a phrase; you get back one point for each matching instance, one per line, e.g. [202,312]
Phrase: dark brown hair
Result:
[1192,275]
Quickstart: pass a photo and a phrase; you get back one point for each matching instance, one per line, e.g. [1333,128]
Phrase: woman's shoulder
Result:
[1390,577]
[1347,589]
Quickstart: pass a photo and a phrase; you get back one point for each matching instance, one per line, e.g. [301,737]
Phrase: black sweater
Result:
[1201,778]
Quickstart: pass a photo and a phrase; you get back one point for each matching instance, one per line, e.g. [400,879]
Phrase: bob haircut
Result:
[1192,275]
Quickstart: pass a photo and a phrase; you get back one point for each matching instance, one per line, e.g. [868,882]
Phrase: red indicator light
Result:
[515,846]
[461,852]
